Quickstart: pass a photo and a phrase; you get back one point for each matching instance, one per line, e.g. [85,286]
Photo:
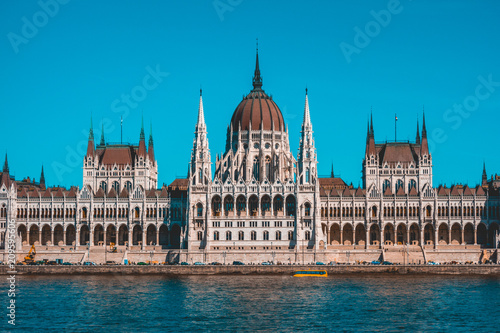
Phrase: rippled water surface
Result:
[351,303]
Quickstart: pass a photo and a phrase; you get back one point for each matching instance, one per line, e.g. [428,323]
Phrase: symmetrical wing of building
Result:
[260,197]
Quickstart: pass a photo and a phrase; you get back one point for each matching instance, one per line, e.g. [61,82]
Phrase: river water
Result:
[349,303]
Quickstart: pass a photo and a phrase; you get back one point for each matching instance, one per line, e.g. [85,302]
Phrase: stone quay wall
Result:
[174,270]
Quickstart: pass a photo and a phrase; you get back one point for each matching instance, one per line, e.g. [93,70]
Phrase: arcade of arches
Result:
[120,235]
[412,235]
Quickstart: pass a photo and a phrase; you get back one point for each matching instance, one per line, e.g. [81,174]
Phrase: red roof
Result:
[260,110]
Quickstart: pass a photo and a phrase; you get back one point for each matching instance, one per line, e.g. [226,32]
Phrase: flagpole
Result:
[395,128]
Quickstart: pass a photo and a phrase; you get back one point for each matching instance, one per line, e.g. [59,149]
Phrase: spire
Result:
[257,79]
[485,175]
[6,164]
[371,124]
[90,145]
[151,151]
[417,140]
[370,141]
[142,142]
[103,142]
[425,147]
[424,130]
[307,116]
[5,175]
[151,134]
[91,131]
[201,115]
[142,137]
[42,180]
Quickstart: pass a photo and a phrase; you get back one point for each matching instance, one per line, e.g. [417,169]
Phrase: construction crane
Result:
[30,258]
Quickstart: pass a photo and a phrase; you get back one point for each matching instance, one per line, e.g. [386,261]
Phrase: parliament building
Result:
[257,202]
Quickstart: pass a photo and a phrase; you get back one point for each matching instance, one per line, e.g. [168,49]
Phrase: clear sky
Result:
[64,62]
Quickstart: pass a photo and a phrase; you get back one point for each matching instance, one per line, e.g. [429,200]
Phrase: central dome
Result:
[257,111]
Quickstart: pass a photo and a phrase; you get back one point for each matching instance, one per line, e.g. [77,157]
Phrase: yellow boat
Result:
[312,273]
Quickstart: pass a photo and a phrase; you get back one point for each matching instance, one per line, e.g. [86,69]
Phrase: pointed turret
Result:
[201,169]
[425,147]
[103,142]
[201,116]
[306,123]
[257,79]
[484,179]
[307,151]
[370,141]
[5,173]
[90,145]
[42,180]
[417,139]
[151,151]
[142,140]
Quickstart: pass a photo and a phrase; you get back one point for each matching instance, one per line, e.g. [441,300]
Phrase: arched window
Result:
[253,235]
[241,235]
[256,168]
[278,235]
[268,168]
[387,184]
[229,236]
[228,204]
[241,203]
[290,206]
[307,209]
[266,235]
[216,235]
[216,205]
[399,184]
[412,184]
[128,186]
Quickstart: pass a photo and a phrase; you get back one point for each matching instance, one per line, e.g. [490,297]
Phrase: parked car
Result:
[198,263]
[238,263]
[89,263]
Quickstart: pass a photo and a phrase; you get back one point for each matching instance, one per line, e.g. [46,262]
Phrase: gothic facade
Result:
[259,196]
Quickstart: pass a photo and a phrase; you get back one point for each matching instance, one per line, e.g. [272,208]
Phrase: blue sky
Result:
[63,63]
